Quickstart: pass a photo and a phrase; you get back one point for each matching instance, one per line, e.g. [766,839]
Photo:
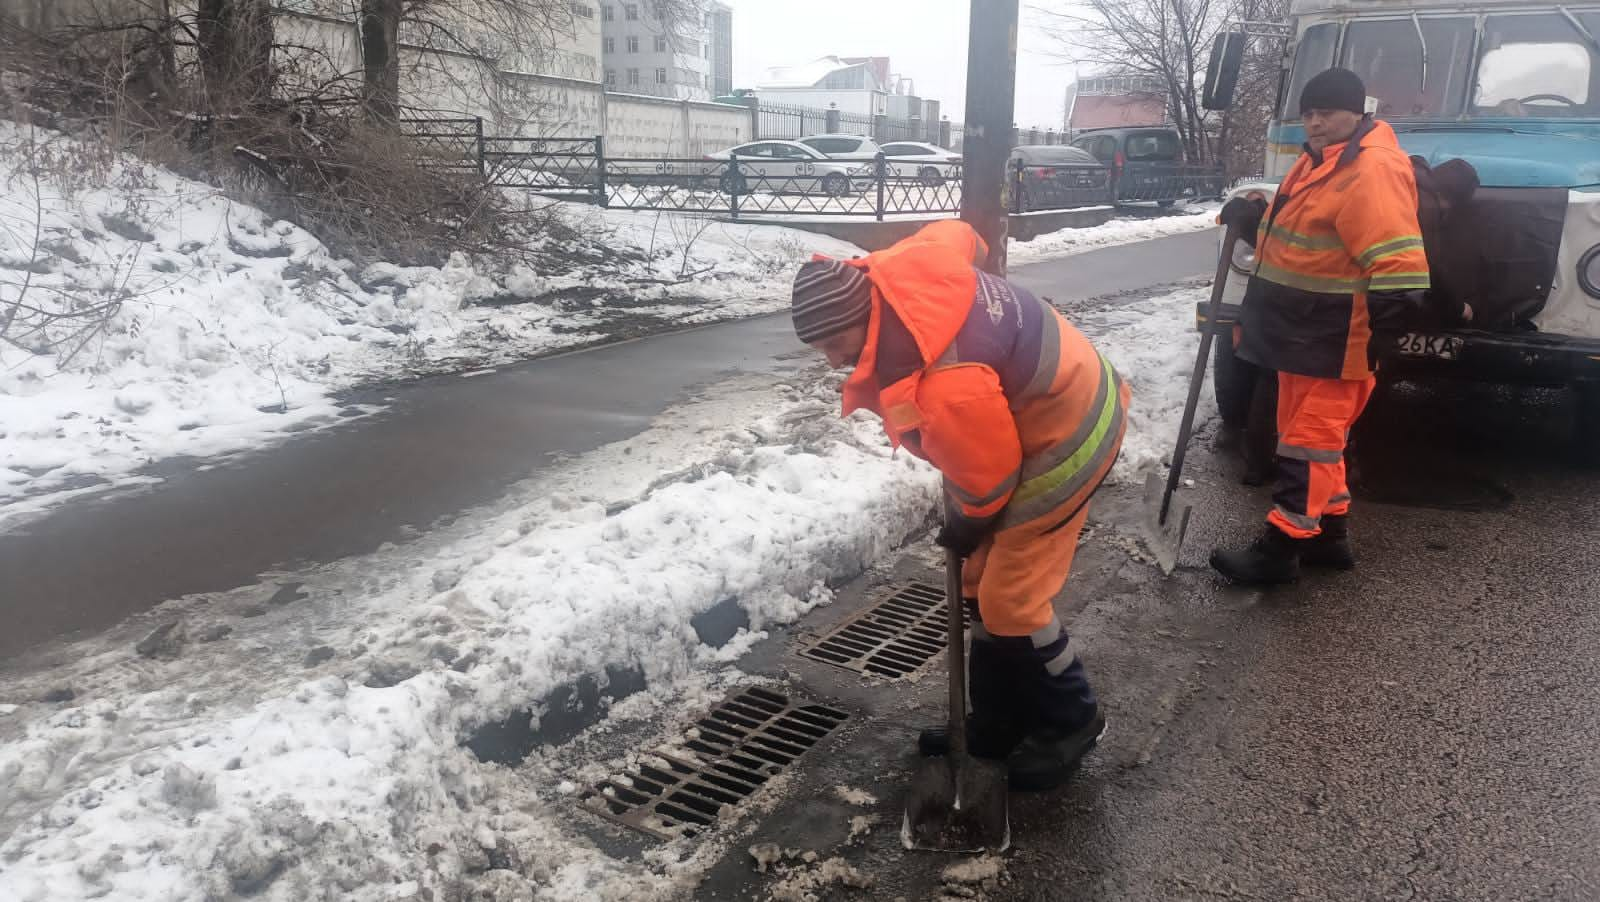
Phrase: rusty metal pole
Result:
[991,102]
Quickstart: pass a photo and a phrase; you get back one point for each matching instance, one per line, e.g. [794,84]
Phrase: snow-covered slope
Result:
[225,328]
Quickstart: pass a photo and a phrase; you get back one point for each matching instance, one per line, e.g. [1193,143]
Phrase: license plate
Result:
[1442,347]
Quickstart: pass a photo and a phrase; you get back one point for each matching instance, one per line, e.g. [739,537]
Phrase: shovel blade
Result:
[1164,537]
[957,805]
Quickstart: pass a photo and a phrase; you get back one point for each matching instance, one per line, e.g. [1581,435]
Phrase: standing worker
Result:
[1340,270]
[1024,419]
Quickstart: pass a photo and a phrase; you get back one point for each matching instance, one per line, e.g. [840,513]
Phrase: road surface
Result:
[443,446]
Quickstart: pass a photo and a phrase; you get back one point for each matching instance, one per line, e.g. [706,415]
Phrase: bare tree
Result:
[1166,39]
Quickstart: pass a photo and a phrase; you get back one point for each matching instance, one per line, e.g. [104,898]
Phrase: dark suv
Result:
[1147,165]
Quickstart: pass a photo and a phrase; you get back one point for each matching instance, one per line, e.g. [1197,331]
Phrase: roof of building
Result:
[1103,111]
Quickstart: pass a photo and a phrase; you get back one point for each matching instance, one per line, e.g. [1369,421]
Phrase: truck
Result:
[1513,88]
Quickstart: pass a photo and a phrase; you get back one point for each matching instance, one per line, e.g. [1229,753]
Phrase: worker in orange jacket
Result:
[1340,269]
[1024,419]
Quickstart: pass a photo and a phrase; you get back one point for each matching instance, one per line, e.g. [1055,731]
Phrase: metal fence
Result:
[786,123]
[776,122]
[747,187]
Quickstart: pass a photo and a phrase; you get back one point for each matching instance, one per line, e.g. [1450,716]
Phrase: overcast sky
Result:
[925,40]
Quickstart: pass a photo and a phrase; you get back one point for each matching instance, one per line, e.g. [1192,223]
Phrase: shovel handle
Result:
[1198,378]
[958,654]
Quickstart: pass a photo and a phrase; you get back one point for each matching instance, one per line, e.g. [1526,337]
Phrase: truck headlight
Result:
[1589,271]
[1244,258]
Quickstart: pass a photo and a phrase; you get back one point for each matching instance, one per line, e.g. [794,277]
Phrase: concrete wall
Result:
[638,126]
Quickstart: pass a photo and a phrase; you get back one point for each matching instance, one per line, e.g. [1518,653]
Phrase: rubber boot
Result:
[1330,548]
[1047,758]
[1272,558]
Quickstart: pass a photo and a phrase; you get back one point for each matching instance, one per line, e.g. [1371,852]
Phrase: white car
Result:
[928,162]
[844,147]
[789,167]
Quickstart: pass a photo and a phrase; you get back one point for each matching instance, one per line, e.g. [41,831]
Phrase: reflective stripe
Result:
[1387,249]
[1398,281]
[1050,458]
[1044,375]
[1323,284]
[1058,665]
[979,632]
[1046,634]
[1037,496]
[1301,521]
[1341,498]
[1307,242]
[1314,455]
[971,500]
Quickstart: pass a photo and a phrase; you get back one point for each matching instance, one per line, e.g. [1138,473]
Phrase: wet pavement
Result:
[441,447]
[1422,728]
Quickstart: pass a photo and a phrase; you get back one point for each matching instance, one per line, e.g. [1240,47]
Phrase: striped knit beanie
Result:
[829,297]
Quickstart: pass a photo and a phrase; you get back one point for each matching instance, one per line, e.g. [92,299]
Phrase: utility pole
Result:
[991,104]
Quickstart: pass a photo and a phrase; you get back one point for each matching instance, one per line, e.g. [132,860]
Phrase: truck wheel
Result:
[1586,435]
[1234,382]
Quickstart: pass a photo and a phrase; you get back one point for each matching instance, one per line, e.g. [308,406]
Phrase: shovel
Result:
[957,802]
[1166,524]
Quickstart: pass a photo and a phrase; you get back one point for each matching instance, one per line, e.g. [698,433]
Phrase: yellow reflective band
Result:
[1307,283]
[1087,452]
[1306,242]
[1399,281]
[1388,249]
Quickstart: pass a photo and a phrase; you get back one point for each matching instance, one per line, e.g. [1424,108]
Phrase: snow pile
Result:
[173,781]
[197,326]
[1067,242]
[1152,344]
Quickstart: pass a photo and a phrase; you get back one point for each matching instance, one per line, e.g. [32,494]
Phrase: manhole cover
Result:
[728,754]
[894,638]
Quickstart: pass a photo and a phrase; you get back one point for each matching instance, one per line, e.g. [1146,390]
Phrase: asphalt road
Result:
[1425,727]
[442,446]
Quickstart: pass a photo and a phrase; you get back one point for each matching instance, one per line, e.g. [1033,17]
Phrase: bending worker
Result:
[1024,419]
[1340,270]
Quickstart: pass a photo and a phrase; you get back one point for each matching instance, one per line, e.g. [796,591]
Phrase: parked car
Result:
[1055,177]
[1147,165]
[844,147]
[930,163]
[788,167]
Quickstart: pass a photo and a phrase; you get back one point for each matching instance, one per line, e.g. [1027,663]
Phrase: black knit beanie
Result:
[1334,89]
[829,297]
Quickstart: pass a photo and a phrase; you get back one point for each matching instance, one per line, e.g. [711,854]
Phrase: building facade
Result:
[721,23]
[643,56]
[1111,101]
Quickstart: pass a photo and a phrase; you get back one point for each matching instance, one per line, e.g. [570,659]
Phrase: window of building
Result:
[633,43]
[582,11]
[707,48]
[610,45]
[661,76]
[608,13]
[633,76]
[630,11]
[611,78]
[661,43]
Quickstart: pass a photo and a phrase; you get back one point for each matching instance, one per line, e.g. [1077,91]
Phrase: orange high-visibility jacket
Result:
[984,380]
[1339,256]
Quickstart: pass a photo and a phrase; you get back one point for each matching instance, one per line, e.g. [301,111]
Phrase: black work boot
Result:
[1048,758]
[1272,558]
[1330,548]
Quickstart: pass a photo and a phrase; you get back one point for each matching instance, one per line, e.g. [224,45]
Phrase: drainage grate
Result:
[893,638]
[741,744]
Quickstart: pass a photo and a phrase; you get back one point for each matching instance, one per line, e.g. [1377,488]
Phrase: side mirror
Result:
[1222,75]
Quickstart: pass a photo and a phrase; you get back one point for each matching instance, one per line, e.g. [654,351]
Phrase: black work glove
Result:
[1246,214]
[962,536]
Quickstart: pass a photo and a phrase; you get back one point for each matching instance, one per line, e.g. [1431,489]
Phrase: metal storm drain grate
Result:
[742,743]
[893,638]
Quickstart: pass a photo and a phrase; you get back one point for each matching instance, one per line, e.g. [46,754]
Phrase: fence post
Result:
[944,132]
[880,127]
[917,133]
[880,170]
[734,179]
[602,191]
[831,119]
[483,169]
[754,103]
[1050,136]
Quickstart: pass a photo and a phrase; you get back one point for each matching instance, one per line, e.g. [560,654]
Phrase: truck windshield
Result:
[1539,65]
[1314,54]
[1388,55]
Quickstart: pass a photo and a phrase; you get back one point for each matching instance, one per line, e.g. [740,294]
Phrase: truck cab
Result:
[1514,90]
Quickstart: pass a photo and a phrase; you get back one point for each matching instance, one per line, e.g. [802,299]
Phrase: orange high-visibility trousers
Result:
[1314,421]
